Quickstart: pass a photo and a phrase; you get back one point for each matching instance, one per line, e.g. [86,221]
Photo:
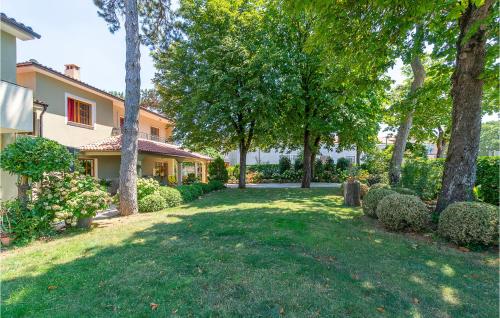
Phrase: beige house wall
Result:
[8,54]
[146,121]
[55,125]
[8,189]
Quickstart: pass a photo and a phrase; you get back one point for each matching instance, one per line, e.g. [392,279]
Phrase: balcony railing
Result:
[16,108]
[144,135]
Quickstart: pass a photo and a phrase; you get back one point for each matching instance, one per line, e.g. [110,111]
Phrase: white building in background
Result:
[273,156]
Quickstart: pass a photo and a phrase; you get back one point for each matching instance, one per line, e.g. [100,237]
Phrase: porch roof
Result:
[114,143]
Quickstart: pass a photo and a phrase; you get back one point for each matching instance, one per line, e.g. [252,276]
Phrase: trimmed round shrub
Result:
[146,186]
[189,192]
[372,199]
[380,186]
[364,188]
[399,212]
[171,196]
[406,191]
[152,203]
[467,223]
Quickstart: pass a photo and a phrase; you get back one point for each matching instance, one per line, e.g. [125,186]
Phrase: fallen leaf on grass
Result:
[282,311]
[381,309]
[153,306]
[51,287]
[415,300]
[463,249]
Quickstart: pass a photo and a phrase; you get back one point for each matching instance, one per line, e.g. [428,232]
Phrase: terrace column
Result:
[196,170]
[204,172]
[179,172]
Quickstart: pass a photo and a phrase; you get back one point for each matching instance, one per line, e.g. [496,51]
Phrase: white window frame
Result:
[88,101]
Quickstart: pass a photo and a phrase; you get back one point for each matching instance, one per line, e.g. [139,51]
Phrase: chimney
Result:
[72,70]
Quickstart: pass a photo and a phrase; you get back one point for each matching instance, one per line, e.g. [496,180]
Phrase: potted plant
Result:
[6,235]
[86,205]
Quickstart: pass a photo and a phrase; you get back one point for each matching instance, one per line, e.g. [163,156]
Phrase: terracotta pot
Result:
[84,223]
[6,240]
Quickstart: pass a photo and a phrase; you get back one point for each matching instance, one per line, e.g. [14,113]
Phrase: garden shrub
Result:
[146,186]
[402,190]
[487,179]
[216,185]
[88,203]
[380,186]
[291,175]
[217,170]
[376,178]
[329,164]
[363,190]
[399,212]
[284,164]
[152,203]
[372,198]
[69,196]
[423,176]
[265,171]
[188,193]
[171,196]
[343,164]
[190,178]
[466,223]
[24,224]
[298,164]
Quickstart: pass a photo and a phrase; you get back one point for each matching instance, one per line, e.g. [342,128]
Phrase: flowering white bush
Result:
[69,196]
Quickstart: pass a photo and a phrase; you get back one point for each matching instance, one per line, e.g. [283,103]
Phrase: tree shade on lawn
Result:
[253,252]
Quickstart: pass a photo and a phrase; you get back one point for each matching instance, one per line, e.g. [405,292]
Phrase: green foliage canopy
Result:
[34,156]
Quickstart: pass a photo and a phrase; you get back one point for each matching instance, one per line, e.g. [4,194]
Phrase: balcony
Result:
[16,108]
[144,135]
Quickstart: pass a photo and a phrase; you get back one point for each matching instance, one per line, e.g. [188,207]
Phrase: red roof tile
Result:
[114,143]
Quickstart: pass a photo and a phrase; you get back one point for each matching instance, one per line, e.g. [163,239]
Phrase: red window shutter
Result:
[71,109]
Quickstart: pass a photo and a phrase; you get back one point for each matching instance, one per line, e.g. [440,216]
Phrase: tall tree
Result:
[467,92]
[418,71]
[216,82]
[156,30]
[360,64]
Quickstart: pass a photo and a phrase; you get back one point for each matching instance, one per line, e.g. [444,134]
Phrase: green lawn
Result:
[250,253]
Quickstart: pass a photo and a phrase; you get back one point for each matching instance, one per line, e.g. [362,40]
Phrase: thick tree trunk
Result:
[404,128]
[243,166]
[306,177]
[313,155]
[128,165]
[440,144]
[358,156]
[22,190]
[467,91]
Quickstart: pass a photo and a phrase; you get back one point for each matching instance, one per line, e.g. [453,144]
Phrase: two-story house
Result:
[19,112]
[88,121]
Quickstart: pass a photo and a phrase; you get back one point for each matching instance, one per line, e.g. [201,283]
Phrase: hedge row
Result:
[424,177]
[154,197]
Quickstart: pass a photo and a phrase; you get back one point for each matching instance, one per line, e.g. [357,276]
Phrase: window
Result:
[155,133]
[88,167]
[79,112]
